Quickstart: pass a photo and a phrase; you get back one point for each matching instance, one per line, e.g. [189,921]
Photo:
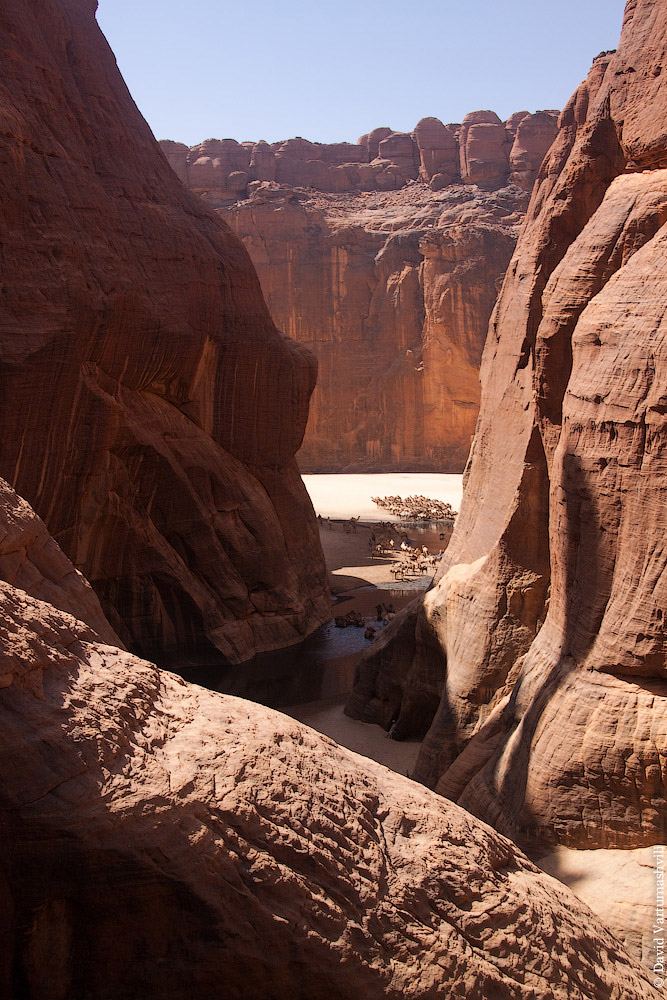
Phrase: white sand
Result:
[349,495]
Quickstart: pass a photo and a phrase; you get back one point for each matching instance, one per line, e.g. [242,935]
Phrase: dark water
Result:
[323,665]
[320,667]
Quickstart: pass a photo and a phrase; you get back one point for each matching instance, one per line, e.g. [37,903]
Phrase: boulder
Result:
[438,152]
[484,145]
[532,140]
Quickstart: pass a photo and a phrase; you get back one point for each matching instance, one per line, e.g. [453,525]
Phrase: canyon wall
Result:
[150,410]
[384,258]
[536,664]
[161,840]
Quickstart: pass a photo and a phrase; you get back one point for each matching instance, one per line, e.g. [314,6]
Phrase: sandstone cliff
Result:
[384,258]
[538,659]
[150,410]
[162,840]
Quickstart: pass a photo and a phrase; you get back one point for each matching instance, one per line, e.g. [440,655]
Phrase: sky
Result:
[201,69]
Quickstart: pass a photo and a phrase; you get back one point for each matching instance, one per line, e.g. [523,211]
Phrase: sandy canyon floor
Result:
[360,580]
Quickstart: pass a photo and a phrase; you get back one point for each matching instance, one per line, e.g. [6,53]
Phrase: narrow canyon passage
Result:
[241,836]
[312,681]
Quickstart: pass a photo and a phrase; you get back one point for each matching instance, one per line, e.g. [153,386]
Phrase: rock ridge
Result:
[536,664]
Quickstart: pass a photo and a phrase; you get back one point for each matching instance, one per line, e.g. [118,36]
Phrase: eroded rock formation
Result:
[150,410]
[392,293]
[538,659]
[384,258]
[162,840]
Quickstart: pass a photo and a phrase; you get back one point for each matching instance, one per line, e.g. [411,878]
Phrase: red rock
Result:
[262,162]
[342,153]
[513,121]
[371,142]
[438,152]
[485,145]
[159,838]
[400,150]
[178,155]
[394,300]
[533,138]
[150,410]
[544,638]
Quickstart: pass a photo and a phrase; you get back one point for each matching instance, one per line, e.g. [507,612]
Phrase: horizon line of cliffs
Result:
[482,150]
[387,270]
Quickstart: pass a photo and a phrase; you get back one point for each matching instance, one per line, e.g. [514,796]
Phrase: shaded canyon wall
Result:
[150,410]
[537,661]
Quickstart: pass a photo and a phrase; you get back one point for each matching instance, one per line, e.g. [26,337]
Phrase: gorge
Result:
[162,840]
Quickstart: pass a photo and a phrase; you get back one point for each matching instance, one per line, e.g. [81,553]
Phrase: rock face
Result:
[159,839]
[150,410]
[538,660]
[392,293]
[384,258]
[31,560]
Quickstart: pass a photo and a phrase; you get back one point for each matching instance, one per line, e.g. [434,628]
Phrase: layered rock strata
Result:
[537,662]
[392,293]
[482,150]
[384,258]
[150,410]
[161,840]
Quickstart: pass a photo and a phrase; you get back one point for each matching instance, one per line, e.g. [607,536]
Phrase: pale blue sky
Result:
[202,69]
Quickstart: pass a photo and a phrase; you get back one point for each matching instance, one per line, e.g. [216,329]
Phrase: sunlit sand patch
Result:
[349,495]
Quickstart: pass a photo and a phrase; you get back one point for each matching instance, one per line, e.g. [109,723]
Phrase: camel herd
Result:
[390,541]
[417,508]
[411,560]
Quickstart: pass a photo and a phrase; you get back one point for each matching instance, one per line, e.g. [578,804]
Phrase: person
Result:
[380,612]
